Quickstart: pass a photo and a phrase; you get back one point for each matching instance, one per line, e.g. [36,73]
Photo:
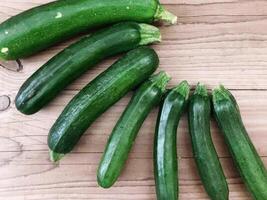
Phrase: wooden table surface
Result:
[216,41]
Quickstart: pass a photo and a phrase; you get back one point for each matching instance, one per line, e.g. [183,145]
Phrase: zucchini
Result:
[43,26]
[72,62]
[165,147]
[125,131]
[246,158]
[100,94]
[207,161]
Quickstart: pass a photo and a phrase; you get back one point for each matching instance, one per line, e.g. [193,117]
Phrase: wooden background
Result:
[217,41]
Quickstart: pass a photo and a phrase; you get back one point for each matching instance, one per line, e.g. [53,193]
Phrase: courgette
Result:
[100,94]
[165,147]
[207,161]
[43,26]
[245,156]
[125,131]
[72,62]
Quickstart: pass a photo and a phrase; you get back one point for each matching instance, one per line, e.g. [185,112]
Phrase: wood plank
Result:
[26,169]
[29,180]
[228,46]
[31,131]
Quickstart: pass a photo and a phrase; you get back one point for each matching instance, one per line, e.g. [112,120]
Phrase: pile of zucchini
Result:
[41,27]
[227,115]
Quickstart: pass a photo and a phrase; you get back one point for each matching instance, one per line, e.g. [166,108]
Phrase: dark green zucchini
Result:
[123,135]
[207,161]
[100,94]
[165,148]
[43,26]
[246,158]
[72,62]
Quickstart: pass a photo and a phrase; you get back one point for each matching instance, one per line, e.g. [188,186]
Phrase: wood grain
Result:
[216,41]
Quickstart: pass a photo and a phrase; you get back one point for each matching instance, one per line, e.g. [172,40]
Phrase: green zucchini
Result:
[246,158]
[100,94]
[165,148]
[43,26]
[72,62]
[207,161]
[123,135]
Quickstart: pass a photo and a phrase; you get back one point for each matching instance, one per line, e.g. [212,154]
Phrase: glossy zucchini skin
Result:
[207,161]
[246,158]
[165,147]
[123,135]
[43,26]
[100,94]
[68,65]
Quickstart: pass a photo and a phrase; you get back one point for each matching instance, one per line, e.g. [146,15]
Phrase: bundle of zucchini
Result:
[43,26]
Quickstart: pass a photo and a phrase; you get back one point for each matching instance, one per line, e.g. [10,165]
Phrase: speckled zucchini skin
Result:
[123,135]
[246,158]
[100,94]
[207,161]
[165,145]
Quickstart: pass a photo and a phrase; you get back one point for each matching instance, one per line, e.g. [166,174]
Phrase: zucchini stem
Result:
[183,89]
[165,16]
[201,90]
[55,157]
[149,34]
[222,94]
[161,80]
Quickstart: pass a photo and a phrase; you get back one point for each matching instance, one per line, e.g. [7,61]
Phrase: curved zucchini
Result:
[125,131]
[72,62]
[245,156]
[42,26]
[165,148]
[208,164]
[100,94]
